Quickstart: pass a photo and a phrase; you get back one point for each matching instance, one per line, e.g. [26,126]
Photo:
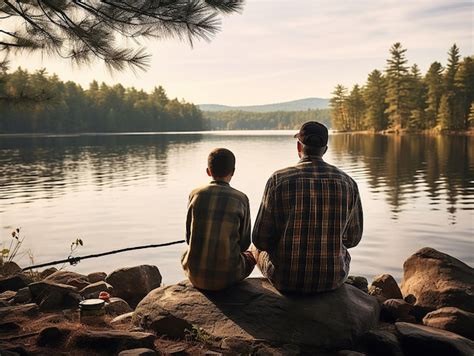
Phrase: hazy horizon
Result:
[300,51]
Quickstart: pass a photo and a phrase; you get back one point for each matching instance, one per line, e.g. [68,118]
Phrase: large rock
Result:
[54,296]
[423,340]
[386,287]
[117,306]
[9,268]
[254,309]
[69,278]
[93,290]
[381,343]
[28,310]
[452,319]
[96,277]
[14,282]
[112,341]
[133,283]
[438,280]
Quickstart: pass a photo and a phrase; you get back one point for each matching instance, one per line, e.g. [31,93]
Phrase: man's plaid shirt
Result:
[310,214]
[217,231]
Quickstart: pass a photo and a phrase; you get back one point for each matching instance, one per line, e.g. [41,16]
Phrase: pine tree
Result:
[374,97]
[434,84]
[397,88]
[464,88]
[470,118]
[417,99]
[356,108]
[444,113]
[82,30]
[452,121]
[339,115]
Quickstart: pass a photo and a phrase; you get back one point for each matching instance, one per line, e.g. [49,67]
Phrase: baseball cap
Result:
[313,133]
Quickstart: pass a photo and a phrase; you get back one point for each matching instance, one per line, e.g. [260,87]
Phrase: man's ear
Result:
[208,171]
[325,149]
[233,171]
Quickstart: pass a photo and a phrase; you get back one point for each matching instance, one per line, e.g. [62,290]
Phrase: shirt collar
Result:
[220,182]
[305,159]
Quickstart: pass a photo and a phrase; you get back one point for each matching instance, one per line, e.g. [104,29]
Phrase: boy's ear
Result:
[208,171]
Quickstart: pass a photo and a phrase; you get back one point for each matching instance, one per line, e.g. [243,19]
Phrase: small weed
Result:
[197,334]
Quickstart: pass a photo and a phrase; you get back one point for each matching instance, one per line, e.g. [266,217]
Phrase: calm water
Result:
[116,191]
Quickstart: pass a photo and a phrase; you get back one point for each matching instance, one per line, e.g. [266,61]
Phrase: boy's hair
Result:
[221,162]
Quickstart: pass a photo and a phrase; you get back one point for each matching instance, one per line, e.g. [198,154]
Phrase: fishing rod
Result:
[75,260]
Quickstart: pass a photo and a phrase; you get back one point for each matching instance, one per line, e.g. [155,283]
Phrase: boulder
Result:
[438,280]
[112,341]
[96,277]
[386,287]
[117,306]
[54,296]
[255,310]
[9,268]
[424,340]
[52,336]
[122,319]
[358,282]
[14,282]
[92,290]
[134,283]
[47,272]
[22,296]
[397,309]
[381,343]
[19,310]
[69,278]
[452,319]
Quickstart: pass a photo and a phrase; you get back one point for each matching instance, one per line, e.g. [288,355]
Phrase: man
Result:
[309,216]
[218,229]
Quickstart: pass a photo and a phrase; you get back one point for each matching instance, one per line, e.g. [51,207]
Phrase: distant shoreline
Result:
[431,132]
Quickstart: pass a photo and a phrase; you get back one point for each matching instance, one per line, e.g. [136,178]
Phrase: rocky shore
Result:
[430,313]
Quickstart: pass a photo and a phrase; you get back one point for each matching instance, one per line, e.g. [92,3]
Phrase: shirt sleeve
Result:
[264,233]
[189,218]
[353,232]
[245,227]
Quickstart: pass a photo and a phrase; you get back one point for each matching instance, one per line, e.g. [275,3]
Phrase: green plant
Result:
[197,334]
[8,254]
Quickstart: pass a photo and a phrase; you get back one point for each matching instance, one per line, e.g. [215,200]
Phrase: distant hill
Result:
[295,105]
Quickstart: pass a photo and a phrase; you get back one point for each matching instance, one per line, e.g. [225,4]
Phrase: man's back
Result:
[310,214]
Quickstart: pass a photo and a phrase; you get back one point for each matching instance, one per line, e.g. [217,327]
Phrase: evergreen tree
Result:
[82,30]
[339,114]
[417,99]
[356,109]
[444,113]
[470,118]
[397,88]
[452,121]
[434,84]
[464,88]
[374,97]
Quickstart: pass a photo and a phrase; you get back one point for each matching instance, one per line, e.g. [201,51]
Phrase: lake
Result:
[121,190]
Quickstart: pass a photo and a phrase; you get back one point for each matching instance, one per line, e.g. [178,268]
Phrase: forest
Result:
[277,120]
[401,98]
[38,103]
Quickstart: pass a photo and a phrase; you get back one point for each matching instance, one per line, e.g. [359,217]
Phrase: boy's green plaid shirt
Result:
[217,231]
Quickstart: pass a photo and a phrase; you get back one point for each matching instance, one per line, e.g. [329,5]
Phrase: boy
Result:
[218,229]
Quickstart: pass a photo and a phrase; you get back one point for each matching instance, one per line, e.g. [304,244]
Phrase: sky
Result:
[281,50]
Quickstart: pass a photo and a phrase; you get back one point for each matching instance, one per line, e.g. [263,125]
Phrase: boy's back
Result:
[217,232]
